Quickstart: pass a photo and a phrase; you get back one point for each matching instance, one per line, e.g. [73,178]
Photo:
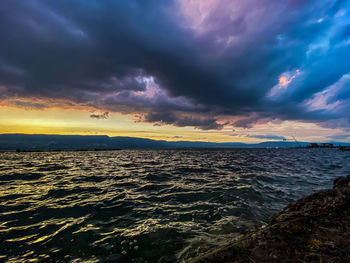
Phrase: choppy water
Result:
[148,206]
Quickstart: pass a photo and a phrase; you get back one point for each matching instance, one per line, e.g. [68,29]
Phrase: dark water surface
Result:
[148,205]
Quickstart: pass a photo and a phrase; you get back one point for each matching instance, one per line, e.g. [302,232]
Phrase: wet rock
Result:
[313,229]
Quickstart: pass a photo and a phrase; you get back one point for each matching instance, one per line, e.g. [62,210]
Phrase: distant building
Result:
[327,145]
[344,148]
[321,145]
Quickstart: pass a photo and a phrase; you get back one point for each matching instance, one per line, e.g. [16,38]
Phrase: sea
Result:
[148,205]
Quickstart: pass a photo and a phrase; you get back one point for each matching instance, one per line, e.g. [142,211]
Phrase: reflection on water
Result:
[148,206]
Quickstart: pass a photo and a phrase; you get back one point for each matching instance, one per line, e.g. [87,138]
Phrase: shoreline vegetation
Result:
[313,229]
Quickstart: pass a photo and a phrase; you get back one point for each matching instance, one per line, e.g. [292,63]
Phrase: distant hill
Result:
[91,142]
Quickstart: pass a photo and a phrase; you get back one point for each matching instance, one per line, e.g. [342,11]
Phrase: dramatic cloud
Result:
[196,63]
[267,136]
[204,123]
[100,116]
[332,98]
[341,137]
[261,136]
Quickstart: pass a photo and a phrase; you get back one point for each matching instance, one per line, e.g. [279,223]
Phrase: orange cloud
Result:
[284,81]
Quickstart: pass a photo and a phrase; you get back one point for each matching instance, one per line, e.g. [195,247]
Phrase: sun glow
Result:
[283,81]
[77,121]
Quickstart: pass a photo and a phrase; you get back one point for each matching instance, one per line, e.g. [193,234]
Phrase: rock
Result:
[313,229]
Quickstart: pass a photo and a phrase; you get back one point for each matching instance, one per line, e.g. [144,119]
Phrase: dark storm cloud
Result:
[103,54]
[100,116]
[261,136]
[204,123]
[339,137]
[267,136]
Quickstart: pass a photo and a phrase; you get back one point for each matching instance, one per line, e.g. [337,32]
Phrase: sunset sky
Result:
[199,70]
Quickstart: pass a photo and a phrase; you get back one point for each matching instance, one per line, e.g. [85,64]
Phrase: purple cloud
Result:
[183,63]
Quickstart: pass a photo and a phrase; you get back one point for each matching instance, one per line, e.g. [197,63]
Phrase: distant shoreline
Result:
[40,142]
[185,148]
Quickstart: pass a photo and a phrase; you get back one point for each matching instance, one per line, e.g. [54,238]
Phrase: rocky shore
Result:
[313,229]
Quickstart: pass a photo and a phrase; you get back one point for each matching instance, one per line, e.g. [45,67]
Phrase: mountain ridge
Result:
[13,141]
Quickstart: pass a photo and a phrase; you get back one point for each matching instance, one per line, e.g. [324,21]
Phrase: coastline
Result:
[313,229]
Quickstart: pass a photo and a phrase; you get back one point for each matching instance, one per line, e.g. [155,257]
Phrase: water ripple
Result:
[148,206]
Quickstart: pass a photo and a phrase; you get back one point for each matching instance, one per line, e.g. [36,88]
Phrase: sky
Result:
[208,70]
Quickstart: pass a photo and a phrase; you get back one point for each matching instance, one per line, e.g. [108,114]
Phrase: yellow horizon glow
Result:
[78,122]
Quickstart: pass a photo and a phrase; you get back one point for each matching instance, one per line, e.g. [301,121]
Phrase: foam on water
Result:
[148,205]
